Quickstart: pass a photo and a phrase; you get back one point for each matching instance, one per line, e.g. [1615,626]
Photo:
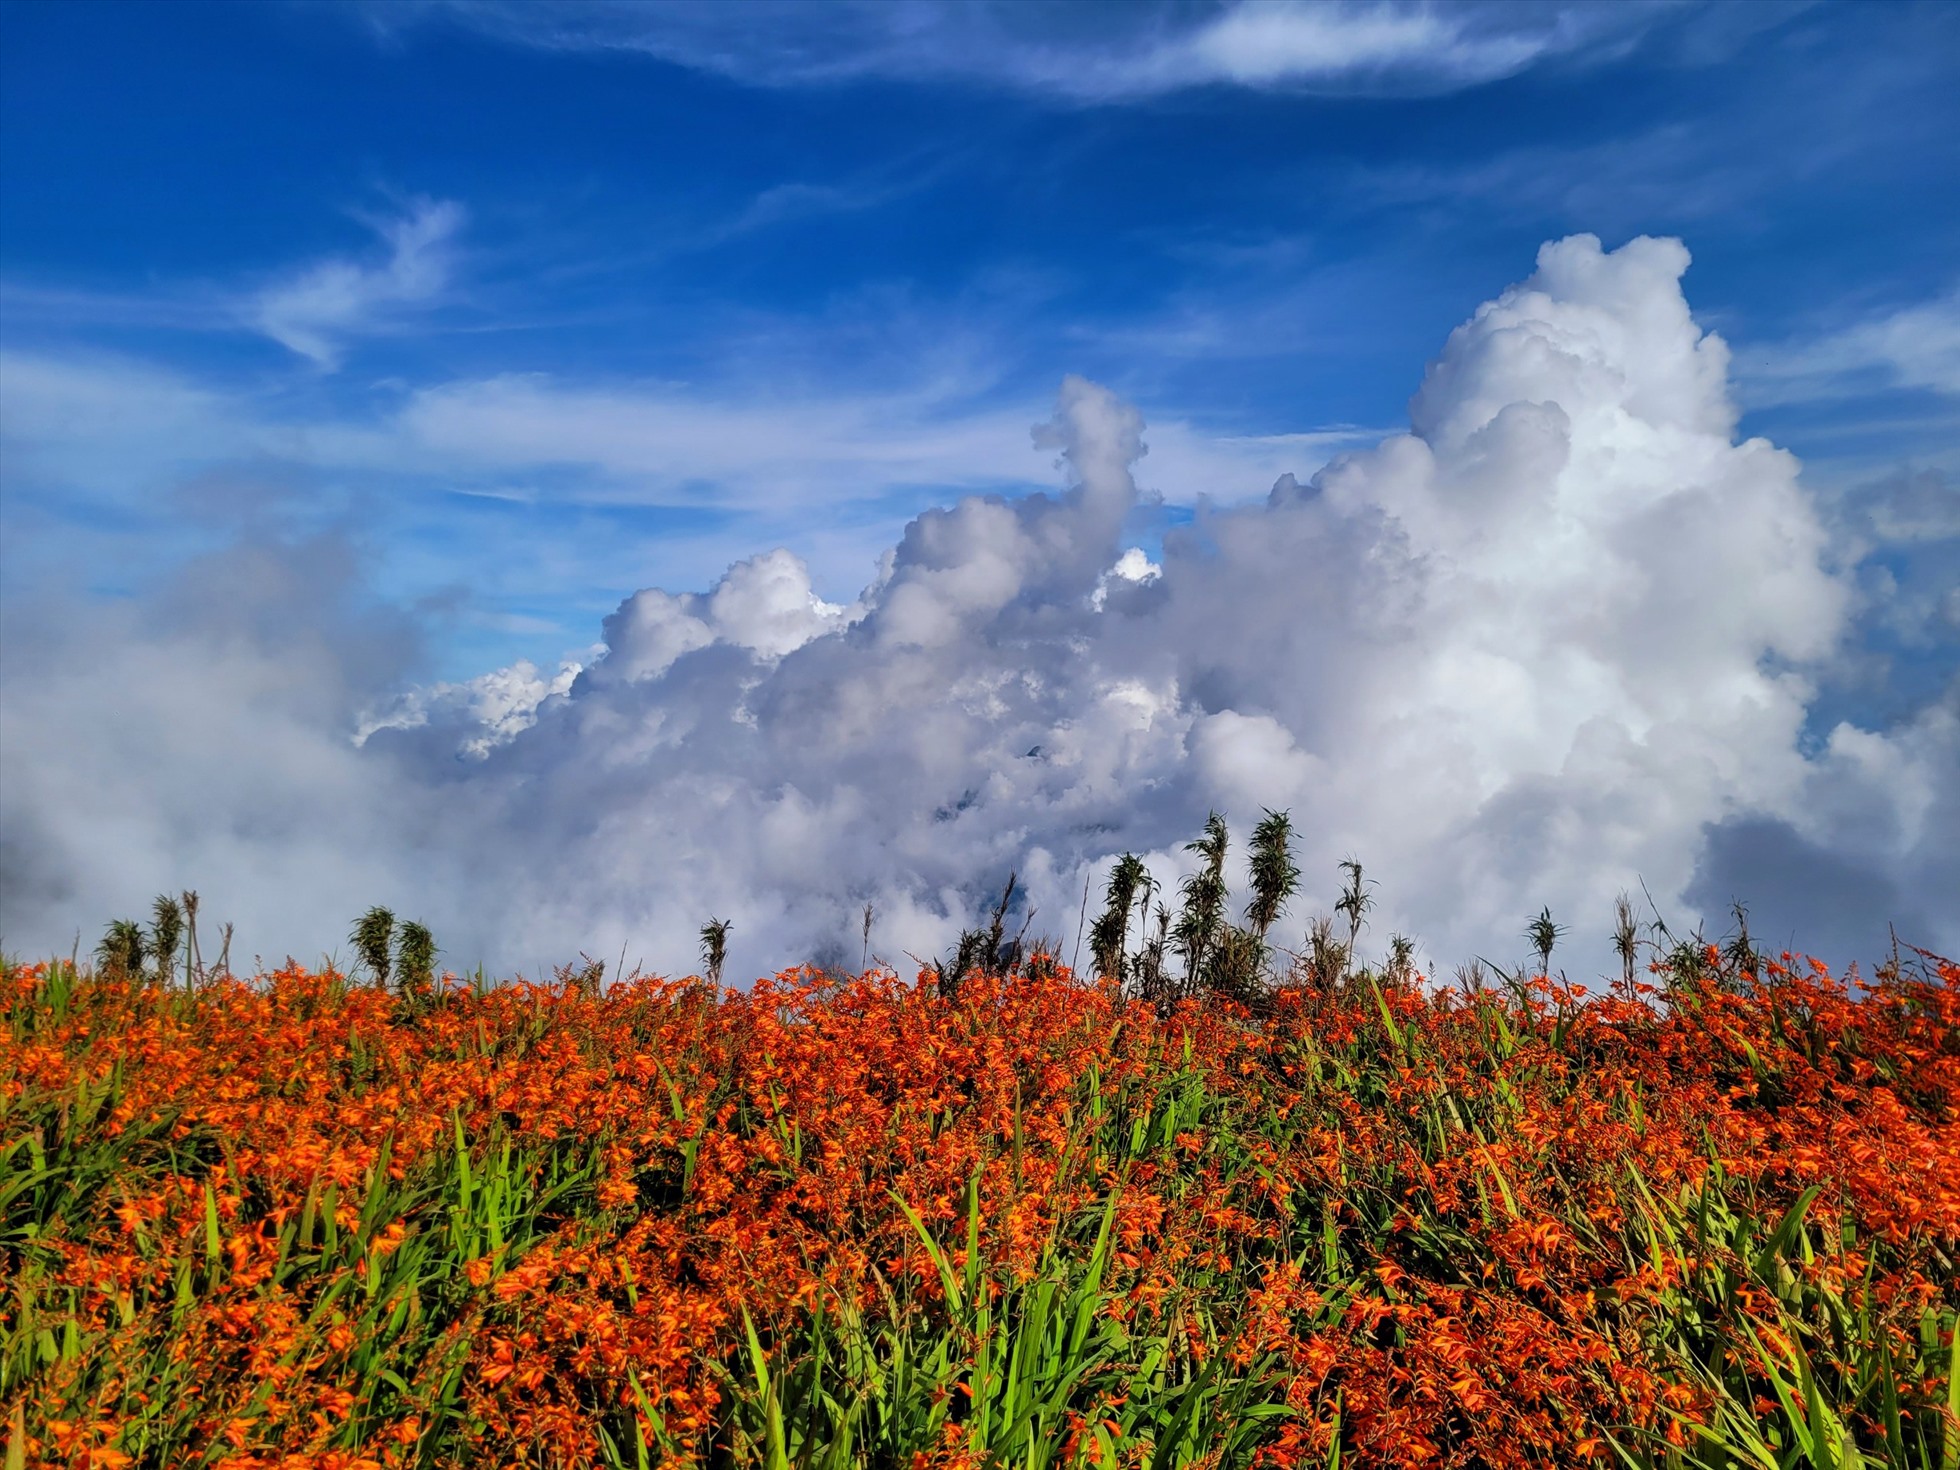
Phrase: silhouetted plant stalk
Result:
[1355,902]
[1626,938]
[1401,959]
[1544,936]
[194,958]
[984,951]
[1742,955]
[714,947]
[587,977]
[1326,957]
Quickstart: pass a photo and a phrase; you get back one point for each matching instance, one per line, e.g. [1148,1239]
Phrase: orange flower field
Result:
[293,1221]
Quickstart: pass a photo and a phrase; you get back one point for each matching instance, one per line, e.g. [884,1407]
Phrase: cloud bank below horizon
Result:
[1558,640]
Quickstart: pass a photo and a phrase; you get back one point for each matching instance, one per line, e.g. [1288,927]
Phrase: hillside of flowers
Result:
[1360,1219]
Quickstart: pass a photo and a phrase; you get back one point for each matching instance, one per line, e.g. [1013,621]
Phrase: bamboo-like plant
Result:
[1275,876]
[1109,940]
[996,960]
[415,958]
[585,978]
[121,949]
[1148,965]
[373,935]
[166,934]
[1198,922]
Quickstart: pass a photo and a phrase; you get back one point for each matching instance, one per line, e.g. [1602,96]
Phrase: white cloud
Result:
[314,311]
[1132,567]
[1524,654]
[1265,45]
[1870,833]
[658,442]
[491,710]
[614,485]
[79,416]
[764,605]
[1913,346]
[111,420]
[1084,54]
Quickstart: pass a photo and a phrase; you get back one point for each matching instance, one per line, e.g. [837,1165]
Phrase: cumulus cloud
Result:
[314,311]
[1082,54]
[1551,642]
[487,711]
[1870,833]
[764,605]
[1903,531]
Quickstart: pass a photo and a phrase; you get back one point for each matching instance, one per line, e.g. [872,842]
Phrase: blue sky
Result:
[924,245]
[525,308]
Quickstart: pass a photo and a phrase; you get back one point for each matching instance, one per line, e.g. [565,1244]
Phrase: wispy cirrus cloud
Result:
[797,200]
[1911,346]
[314,311]
[743,448]
[670,444]
[1079,54]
